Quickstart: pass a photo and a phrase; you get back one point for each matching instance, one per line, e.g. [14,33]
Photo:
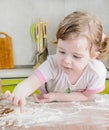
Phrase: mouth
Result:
[66,69]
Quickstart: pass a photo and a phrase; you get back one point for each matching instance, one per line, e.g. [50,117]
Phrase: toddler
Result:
[75,72]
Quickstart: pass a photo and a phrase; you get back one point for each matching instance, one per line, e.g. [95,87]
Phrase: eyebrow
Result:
[61,48]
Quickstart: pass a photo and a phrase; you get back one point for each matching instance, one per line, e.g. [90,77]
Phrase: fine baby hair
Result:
[84,24]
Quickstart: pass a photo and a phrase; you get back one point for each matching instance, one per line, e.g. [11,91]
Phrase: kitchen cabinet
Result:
[106,90]
[11,77]
[9,84]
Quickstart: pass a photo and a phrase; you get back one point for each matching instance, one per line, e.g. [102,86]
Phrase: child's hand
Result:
[49,97]
[15,100]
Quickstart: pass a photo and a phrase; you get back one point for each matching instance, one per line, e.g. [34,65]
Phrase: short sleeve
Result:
[47,70]
[96,83]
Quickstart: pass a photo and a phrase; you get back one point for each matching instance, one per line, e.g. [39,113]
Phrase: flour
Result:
[35,114]
[104,99]
[56,113]
[32,116]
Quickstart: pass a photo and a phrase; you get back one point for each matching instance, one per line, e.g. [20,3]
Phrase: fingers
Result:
[21,103]
[36,98]
[15,100]
[7,95]
[50,96]
[44,98]
[39,100]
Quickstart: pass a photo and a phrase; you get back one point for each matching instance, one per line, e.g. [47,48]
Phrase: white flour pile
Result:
[32,116]
[35,114]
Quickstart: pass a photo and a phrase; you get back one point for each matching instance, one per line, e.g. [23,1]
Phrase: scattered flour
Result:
[35,114]
[31,116]
[104,99]
[97,112]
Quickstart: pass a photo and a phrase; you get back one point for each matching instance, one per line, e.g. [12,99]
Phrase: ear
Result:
[95,55]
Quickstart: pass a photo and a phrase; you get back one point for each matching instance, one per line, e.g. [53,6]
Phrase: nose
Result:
[68,59]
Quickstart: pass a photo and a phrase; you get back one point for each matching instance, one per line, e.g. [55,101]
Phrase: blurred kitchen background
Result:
[17,17]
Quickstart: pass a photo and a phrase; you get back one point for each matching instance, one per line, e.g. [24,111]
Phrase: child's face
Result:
[73,55]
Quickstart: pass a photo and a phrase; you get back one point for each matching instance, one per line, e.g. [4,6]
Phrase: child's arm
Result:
[74,96]
[28,86]
[22,90]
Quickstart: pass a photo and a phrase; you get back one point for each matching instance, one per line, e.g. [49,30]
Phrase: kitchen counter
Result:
[21,72]
[107,75]
[90,115]
[15,73]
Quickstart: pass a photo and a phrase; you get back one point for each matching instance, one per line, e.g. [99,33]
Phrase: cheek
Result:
[81,64]
[84,63]
[58,59]
[78,66]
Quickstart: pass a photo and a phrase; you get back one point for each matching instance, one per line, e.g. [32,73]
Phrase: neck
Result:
[74,77]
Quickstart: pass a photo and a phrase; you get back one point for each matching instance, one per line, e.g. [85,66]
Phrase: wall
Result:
[17,16]
[97,7]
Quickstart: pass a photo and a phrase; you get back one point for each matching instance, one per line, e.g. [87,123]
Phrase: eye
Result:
[76,57]
[62,52]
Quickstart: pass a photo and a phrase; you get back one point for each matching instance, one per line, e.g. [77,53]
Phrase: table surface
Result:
[90,115]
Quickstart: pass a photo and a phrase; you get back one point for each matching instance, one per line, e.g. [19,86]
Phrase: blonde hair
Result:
[83,23]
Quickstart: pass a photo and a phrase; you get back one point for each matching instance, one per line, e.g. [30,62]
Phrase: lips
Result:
[66,69]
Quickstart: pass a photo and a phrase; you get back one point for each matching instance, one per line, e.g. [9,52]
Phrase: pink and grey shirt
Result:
[92,79]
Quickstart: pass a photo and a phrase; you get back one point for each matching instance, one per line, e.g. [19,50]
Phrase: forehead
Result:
[74,44]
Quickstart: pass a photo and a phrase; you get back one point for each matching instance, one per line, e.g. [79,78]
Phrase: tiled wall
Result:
[17,16]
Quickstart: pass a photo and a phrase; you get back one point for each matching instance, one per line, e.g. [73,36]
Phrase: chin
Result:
[67,70]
